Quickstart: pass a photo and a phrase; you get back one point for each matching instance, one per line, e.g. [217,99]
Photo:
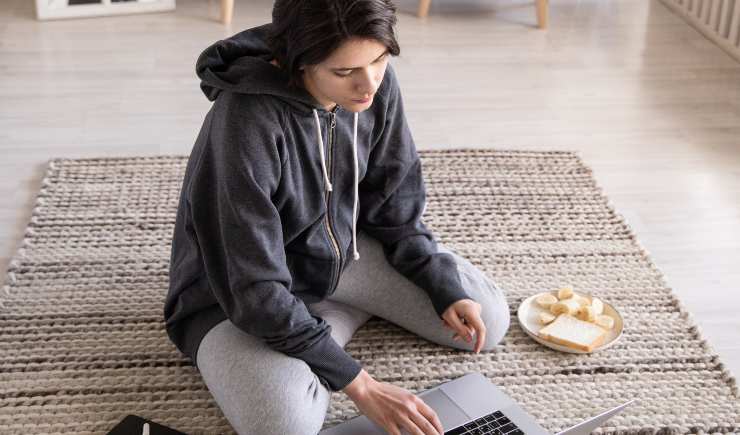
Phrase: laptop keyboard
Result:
[493,423]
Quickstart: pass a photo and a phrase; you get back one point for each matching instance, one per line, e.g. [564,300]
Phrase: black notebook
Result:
[134,425]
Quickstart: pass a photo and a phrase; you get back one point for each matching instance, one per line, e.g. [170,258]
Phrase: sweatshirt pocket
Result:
[311,276]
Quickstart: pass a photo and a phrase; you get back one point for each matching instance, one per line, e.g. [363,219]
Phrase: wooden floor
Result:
[649,103]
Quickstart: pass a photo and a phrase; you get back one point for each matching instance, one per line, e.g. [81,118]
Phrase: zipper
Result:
[335,245]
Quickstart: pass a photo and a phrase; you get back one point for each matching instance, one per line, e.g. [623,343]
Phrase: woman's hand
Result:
[463,317]
[393,407]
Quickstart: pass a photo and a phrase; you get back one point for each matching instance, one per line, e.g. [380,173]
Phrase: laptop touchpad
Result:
[449,414]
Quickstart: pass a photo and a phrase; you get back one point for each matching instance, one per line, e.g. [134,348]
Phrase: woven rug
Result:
[82,341]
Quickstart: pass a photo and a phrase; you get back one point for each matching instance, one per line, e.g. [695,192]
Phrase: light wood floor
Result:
[651,105]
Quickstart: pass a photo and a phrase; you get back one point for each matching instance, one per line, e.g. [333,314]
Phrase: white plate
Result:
[528,315]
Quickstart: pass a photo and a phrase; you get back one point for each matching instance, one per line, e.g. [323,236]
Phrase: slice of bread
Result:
[574,333]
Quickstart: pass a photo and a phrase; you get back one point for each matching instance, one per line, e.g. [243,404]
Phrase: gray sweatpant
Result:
[262,391]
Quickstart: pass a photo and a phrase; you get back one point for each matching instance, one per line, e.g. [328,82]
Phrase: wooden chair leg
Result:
[423,10]
[542,13]
[227,11]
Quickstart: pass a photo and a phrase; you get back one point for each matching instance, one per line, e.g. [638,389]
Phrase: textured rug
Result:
[82,341]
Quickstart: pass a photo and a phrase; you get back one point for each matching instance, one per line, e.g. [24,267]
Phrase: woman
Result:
[300,218]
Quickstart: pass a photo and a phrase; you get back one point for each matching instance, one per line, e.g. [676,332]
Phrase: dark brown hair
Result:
[306,32]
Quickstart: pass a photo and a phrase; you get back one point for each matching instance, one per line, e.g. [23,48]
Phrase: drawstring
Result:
[321,149]
[356,254]
[354,207]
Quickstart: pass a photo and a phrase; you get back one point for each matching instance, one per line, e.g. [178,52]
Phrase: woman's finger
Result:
[427,412]
[471,329]
[447,325]
[411,426]
[480,329]
[421,421]
[393,429]
[457,335]
[460,328]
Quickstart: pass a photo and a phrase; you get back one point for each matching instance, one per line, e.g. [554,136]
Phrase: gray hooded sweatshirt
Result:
[265,218]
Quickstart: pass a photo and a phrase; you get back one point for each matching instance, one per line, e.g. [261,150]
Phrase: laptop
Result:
[472,405]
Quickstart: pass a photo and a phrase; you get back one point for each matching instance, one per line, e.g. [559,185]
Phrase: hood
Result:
[241,63]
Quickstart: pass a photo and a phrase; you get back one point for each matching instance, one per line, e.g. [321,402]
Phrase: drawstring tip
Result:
[328,187]
[357,255]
